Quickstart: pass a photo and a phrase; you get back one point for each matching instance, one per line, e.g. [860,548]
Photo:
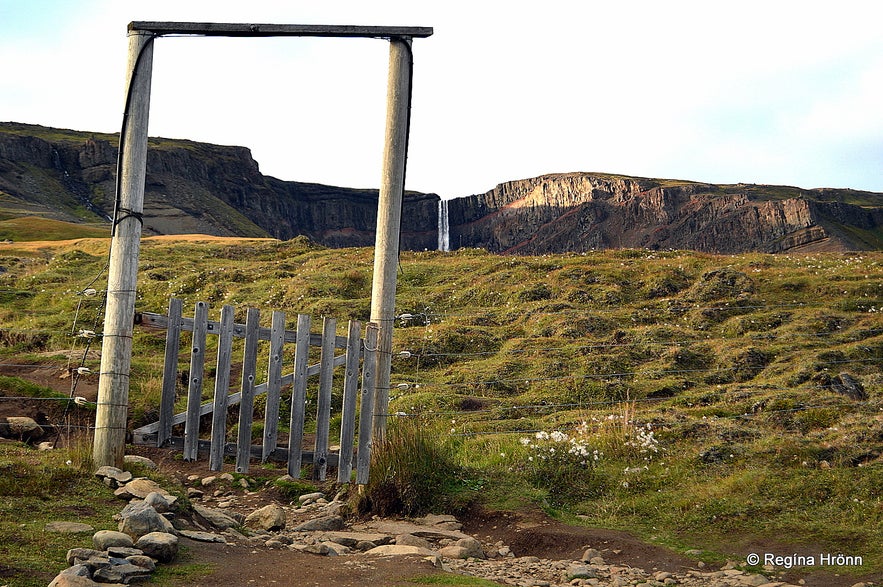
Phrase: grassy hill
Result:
[705,402]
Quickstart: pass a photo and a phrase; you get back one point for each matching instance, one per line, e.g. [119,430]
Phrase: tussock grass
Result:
[734,362]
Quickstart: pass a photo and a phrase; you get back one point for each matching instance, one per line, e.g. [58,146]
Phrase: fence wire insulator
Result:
[84,371]
[403,386]
[89,292]
[405,354]
[86,334]
[81,401]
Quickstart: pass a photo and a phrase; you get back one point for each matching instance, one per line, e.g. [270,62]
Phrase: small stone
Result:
[214,517]
[126,574]
[140,488]
[159,545]
[77,555]
[336,508]
[123,552]
[139,518]
[203,536]
[65,580]
[206,481]
[324,523]
[193,493]
[227,477]
[579,571]
[20,428]
[271,517]
[589,554]
[142,560]
[139,460]
[158,501]
[113,476]
[310,497]
[411,540]
[104,539]
[394,549]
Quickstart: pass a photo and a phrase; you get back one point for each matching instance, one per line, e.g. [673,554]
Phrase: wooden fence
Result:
[358,358]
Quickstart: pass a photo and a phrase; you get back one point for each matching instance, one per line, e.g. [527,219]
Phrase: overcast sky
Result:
[780,92]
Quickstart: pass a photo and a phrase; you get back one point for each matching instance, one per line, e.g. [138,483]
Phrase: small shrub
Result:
[413,472]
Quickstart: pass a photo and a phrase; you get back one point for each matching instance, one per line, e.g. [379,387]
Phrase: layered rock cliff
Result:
[201,188]
[582,211]
[192,188]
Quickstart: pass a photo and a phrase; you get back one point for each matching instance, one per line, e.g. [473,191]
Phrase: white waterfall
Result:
[444,235]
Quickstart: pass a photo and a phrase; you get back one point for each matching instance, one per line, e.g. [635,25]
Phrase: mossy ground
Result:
[735,363]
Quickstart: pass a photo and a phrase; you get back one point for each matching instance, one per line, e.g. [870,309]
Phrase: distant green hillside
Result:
[33,228]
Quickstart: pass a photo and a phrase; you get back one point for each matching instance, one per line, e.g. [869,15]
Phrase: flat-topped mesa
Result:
[219,190]
[581,211]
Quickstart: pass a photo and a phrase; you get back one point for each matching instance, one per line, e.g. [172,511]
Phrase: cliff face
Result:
[192,188]
[210,189]
[580,212]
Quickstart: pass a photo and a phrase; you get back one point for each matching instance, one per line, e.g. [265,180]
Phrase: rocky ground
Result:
[249,537]
[317,541]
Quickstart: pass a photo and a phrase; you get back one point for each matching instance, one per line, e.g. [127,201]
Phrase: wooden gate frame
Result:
[160,433]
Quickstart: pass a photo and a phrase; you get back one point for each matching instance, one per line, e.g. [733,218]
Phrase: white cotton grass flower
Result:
[558,436]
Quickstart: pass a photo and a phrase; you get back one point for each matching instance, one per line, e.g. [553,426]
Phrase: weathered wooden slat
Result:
[229,29]
[323,409]
[170,372]
[274,384]
[280,455]
[226,330]
[348,409]
[298,396]
[158,321]
[194,388]
[366,406]
[249,370]
[235,398]
[222,388]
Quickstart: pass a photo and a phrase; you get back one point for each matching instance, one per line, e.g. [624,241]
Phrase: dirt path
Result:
[527,533]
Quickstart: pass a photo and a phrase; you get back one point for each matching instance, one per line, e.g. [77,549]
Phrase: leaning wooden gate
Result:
[357,352]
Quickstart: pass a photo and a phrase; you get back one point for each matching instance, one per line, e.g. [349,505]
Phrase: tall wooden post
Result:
[389,220]
[116,347]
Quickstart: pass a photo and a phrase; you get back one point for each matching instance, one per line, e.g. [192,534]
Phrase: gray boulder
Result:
[158,501]
[463,548]
[112,476]
[76,556]
[271,517]
[20,428]
[139,518]
[325,523]
[214,517]
[159,545]
[105,539]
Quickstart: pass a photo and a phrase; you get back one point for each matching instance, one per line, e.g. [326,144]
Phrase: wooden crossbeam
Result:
[223,29]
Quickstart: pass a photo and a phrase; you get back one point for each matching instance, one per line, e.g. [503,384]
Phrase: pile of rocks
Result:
[150,526]
[146,536]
